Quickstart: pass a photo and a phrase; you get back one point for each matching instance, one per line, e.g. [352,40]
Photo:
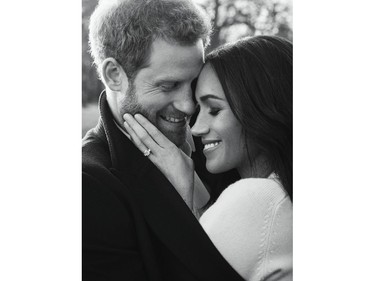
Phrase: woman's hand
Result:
[170,160]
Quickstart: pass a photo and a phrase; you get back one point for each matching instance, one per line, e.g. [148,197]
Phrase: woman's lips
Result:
[210,145]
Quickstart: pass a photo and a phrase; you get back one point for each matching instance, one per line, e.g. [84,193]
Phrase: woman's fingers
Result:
[138,143]
[162,140]
[140,134]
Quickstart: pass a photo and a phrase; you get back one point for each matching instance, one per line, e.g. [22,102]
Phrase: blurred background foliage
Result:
[232,19]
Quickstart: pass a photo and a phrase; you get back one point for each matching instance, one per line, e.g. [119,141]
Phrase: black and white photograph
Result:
[187,140]
[187,174]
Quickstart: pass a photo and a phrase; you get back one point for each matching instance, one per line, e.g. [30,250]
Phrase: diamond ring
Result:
[147,152]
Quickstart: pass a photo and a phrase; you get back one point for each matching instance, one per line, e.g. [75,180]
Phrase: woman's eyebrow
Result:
[206,97]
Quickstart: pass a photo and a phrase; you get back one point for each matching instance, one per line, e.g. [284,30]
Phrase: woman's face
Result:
[221,133]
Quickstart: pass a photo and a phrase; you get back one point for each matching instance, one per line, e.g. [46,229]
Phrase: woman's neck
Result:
[259,169]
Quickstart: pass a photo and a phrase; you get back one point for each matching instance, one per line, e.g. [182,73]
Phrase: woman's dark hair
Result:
[256,74]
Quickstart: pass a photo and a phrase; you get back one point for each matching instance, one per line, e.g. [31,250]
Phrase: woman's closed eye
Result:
[214,111]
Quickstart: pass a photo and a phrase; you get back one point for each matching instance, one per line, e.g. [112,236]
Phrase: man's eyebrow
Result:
[206,97]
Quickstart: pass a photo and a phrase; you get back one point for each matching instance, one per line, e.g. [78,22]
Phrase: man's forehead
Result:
[172,62]
[165,52]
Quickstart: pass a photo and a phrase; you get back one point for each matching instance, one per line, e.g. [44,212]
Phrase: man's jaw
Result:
[175,129]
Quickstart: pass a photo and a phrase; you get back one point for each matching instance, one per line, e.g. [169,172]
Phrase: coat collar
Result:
[164,210]
[123,153]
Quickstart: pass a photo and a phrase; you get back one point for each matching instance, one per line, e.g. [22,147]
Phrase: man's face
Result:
[162,91]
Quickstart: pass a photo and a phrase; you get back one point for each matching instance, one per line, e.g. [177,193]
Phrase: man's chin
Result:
[176,133]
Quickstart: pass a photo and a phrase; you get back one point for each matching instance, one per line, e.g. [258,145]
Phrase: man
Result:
[135,225]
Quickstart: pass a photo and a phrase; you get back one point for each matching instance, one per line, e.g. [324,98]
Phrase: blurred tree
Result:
[91,85]
[233,19]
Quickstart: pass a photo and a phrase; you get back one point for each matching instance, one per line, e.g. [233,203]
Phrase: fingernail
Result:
[126,115]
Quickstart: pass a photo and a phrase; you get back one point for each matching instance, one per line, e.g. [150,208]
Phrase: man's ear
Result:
[114,75]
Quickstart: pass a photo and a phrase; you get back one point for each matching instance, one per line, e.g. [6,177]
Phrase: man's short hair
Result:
[125,29]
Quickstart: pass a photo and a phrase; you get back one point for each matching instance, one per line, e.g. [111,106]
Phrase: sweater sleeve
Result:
[251,225]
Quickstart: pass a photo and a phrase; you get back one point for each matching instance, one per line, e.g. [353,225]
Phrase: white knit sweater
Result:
[251,226]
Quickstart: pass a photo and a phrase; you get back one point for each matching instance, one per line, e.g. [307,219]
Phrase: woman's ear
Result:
[113,75]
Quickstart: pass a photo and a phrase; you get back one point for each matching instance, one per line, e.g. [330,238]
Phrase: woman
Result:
[244,94]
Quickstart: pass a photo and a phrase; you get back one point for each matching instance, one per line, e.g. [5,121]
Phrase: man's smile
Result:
[174,119]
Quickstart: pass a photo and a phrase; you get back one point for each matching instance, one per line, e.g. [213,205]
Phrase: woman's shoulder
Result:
[254,189]
[248,197]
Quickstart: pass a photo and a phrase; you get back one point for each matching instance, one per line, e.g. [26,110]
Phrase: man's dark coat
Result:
[135,225]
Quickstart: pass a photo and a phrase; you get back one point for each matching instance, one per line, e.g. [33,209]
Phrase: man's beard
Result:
[131,105]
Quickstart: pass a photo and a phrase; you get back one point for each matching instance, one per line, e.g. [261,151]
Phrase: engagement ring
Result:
[147,152]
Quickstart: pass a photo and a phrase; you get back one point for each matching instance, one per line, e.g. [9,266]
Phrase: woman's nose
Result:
[200,127]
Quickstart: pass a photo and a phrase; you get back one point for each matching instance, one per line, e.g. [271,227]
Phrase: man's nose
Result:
[200,127]
[184,101]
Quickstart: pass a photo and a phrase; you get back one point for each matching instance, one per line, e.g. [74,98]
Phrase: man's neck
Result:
[113,106]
